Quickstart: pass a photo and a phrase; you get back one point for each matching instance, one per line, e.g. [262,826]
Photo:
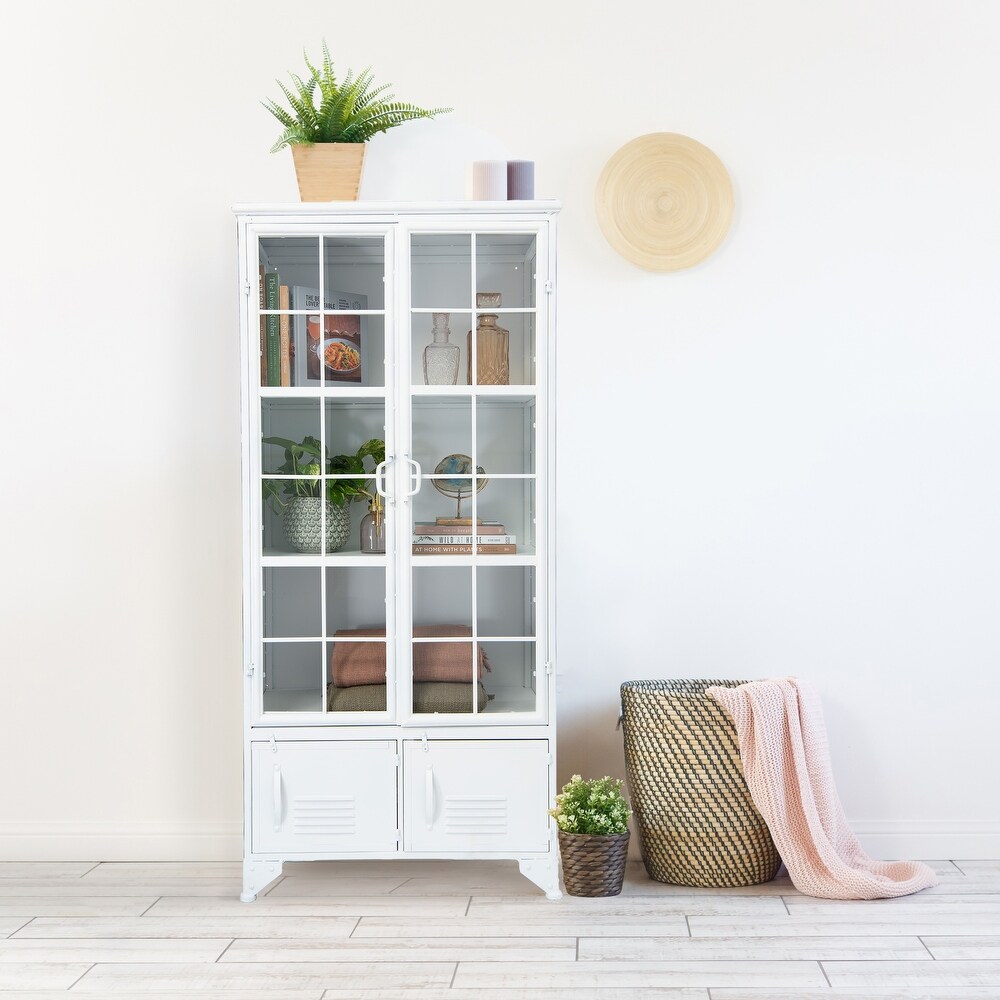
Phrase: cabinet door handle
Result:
[380,479]
[415,476]
[276,798]
[429,796]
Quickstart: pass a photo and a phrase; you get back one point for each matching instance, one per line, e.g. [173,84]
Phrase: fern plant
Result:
[348,111]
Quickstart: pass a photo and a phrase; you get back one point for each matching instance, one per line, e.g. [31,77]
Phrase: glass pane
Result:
[441,271]
[505,263]
[439,354]
[355,618]
[442,600]
[503,350]
[336,349]
[292,603]
[355,599]
[505,601]
[285,262]
[510,684]
[295,258]
[510,503]
[354,436]
[291,503]
[442,646]
[442,444]
[354,271]
[505,434]
[288,264]
[293,676]
[357,672]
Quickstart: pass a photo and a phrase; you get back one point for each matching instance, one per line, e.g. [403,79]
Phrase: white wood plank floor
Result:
[438,930]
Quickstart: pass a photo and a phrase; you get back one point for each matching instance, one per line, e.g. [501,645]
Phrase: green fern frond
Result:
[372,95]
[350,111]
[280,113]
[384,116]
[328,73]
[303,107]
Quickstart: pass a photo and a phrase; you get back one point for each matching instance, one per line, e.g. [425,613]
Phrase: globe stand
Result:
[458,484]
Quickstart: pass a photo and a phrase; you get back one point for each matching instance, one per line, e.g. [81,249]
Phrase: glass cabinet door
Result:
[325,421]
[475,440]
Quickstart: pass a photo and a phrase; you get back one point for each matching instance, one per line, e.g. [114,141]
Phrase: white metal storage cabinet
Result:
[463,796]
[310,798]
[398,704]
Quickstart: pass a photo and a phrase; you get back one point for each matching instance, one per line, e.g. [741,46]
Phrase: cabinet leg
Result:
[258,875]
[544,872]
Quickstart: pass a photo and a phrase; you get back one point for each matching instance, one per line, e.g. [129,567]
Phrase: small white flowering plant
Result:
[594,806]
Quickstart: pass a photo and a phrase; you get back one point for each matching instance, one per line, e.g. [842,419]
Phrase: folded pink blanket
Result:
[786,762]
[356,663]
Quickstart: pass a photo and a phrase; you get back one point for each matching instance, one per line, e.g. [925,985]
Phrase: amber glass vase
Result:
[492,345]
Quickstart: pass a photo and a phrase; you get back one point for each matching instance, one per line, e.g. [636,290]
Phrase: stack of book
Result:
[292,346]
[454,536]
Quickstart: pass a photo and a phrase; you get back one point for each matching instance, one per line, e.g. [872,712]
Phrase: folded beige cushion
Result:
[356,663]
[427,698]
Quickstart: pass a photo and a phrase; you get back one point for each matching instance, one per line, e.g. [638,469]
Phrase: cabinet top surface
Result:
[396,208]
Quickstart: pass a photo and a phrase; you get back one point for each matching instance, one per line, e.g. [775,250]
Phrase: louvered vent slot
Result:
[316,815]
[479,814]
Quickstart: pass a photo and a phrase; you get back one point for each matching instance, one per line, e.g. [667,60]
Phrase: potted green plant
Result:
[300,501]
[327,123]
[592,816]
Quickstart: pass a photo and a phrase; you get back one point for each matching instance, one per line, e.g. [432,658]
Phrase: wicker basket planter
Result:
[697,823]
[593,865]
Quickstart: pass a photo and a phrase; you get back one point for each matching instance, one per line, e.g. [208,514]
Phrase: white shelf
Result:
[486,558]
[328,391]
[508,393]
[344,557]
[505,700]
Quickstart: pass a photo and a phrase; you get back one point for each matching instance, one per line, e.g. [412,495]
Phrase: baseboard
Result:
[152,841]
[83,841]
[970,840]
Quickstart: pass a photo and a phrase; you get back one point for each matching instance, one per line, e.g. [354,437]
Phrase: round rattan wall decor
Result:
[664,201]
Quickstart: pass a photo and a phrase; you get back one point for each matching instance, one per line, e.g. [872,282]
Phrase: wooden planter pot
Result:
[329,171]
[593,865]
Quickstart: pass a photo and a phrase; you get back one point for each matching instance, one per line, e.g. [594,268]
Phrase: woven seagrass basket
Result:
[697,823]
[593,864]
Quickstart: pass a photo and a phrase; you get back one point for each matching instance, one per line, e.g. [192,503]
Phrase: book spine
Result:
[271,301]
[457,529]
[422,549]
[422,539]
[263,327]
[284,337]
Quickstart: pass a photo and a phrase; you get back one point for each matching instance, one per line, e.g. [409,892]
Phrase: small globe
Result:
[459,473]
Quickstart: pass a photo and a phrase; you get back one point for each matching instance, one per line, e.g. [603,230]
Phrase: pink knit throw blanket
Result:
[786,762]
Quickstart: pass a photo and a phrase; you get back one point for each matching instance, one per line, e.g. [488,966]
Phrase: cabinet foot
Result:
[544,872]
[258,875]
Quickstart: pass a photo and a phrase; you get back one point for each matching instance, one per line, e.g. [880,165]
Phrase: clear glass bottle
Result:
[441,358]
[492,344]
[373,527]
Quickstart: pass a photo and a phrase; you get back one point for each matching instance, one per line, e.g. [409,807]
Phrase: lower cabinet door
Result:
[323,798]
[465,796]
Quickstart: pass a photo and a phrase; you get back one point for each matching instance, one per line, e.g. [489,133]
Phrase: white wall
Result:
[794,462]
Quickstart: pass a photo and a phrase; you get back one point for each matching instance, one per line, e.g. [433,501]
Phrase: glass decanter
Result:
[441,357]
[492,344]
